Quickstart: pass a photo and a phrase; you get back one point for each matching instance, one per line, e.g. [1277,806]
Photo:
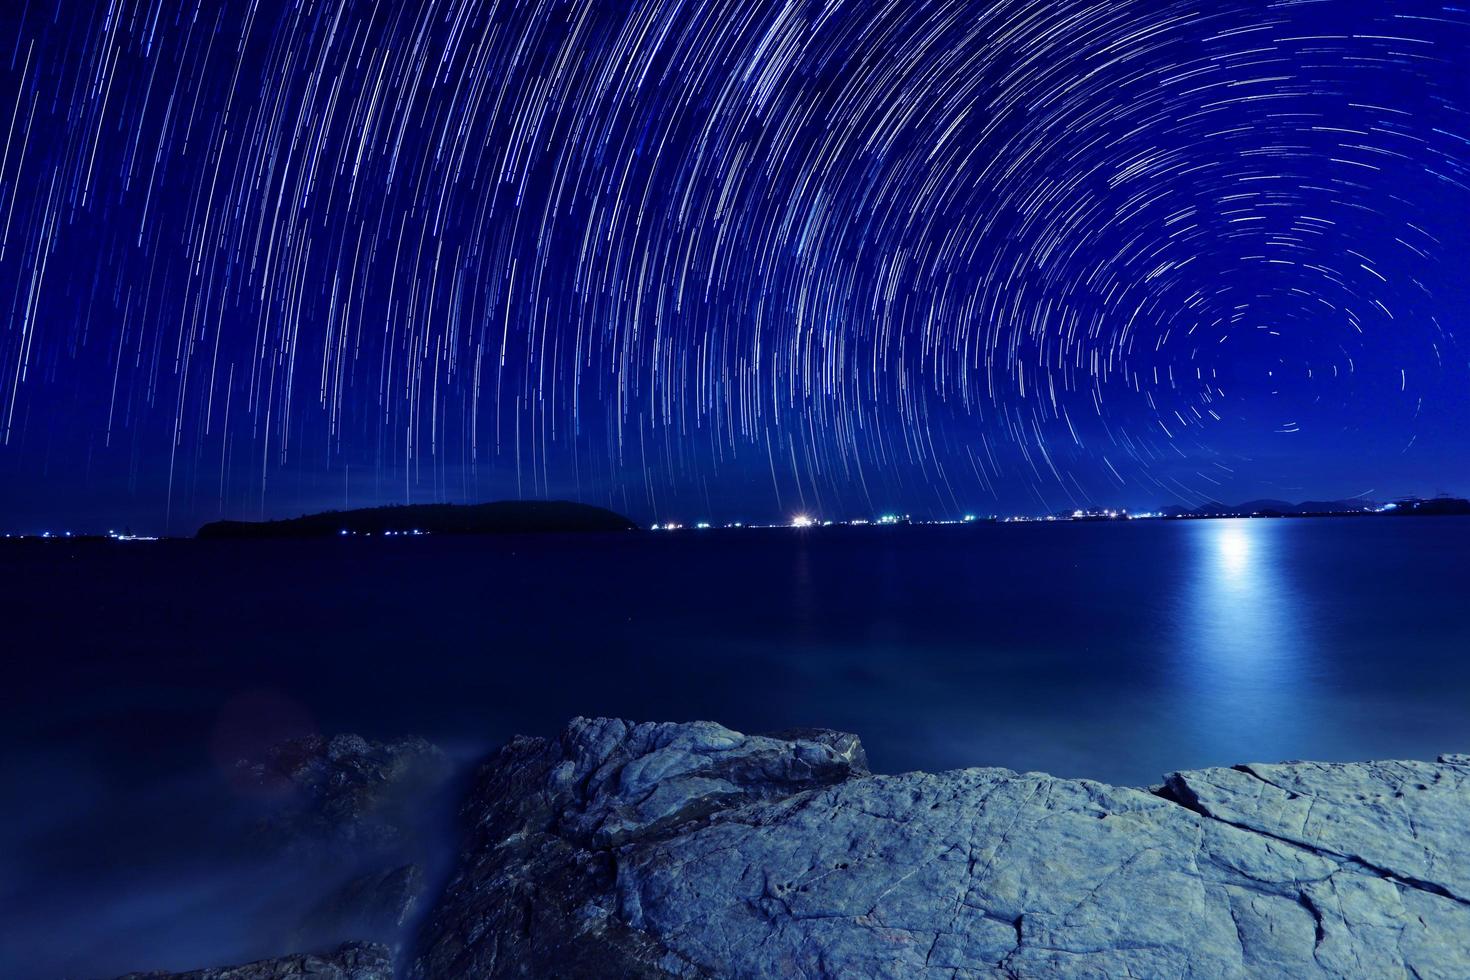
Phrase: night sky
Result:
[728,260]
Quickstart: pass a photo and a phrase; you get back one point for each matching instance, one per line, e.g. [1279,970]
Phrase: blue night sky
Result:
[728,260]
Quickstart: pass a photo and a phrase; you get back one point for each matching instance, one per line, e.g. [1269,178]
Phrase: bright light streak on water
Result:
[1233,546]
[1244,655]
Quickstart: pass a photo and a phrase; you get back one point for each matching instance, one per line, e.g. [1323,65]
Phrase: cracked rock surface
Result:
[347,795]
[352,961]
[656,850]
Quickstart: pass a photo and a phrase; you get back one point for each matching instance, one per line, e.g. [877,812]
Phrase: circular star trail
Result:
[726,259]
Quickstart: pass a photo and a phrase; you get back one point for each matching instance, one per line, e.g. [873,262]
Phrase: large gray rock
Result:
[1407,820]
[352,961]
[534,895]
[691,850]
[345,794]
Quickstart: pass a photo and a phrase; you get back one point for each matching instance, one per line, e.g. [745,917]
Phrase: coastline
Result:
[664,849]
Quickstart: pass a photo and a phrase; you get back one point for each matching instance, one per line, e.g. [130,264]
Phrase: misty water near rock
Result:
[143,673]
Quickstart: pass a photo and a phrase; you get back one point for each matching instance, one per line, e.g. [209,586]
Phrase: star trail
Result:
[725,260]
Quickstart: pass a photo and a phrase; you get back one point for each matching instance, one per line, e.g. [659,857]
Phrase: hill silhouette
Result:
[501,517]
[1408,506]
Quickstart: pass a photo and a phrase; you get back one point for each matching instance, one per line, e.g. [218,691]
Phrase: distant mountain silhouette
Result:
[1319,508]
[1265,506]
[502,517]
[1436,507]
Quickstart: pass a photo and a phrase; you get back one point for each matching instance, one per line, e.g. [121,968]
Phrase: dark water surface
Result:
[138,672]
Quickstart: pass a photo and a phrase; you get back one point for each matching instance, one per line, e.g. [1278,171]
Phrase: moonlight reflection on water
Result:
[1245,650]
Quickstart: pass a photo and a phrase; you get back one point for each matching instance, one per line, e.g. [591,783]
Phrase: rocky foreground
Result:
[689,850]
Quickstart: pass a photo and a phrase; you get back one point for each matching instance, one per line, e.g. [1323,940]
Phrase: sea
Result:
[138,673]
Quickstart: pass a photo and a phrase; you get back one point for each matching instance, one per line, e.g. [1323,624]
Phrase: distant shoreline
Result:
[501,517]
[268,530]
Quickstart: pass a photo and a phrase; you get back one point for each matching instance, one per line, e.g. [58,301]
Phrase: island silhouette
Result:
[500,517]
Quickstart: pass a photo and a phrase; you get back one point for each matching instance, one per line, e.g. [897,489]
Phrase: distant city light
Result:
[802,521]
